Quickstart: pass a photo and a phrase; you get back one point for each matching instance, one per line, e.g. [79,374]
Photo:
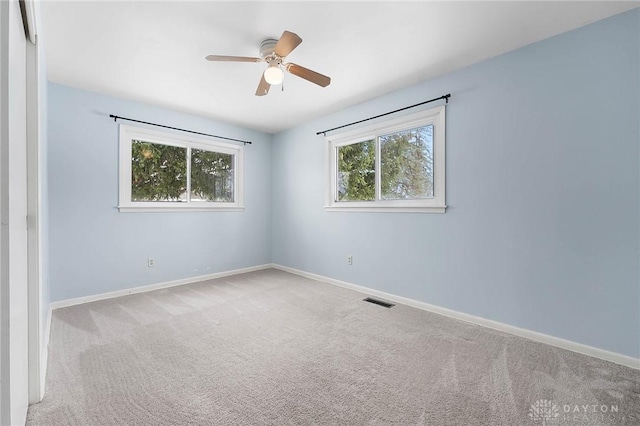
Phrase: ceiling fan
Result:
[273,52]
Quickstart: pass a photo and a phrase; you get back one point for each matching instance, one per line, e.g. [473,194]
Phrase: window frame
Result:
[128,133]
[434,116]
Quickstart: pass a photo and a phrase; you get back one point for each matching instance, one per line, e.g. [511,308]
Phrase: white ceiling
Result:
[153,51]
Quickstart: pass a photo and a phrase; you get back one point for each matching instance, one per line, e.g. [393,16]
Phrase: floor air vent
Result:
[379,302]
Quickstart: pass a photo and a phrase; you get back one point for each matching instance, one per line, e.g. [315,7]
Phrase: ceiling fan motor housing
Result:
[267,48]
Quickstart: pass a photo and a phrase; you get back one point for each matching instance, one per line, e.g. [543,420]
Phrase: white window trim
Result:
[435,116]
[130,133]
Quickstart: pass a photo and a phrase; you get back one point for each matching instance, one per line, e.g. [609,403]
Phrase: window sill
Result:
[369,209]
[146,209]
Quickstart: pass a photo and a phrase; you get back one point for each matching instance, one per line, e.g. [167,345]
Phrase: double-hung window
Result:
[162,171]
[394,166]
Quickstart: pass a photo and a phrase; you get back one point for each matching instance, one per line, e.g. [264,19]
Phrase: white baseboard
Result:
[517,331]
[125,292]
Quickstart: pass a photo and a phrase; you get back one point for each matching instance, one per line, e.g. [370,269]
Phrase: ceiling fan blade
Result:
[232,58]
[263,87]
[309,75]
[288,41]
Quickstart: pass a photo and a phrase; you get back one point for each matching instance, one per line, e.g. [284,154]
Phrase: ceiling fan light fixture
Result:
[274,75]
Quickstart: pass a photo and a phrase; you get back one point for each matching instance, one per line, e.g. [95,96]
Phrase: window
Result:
[162,171]
[397,165]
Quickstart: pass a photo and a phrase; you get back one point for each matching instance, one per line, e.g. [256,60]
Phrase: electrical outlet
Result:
[349,260]
[151,262]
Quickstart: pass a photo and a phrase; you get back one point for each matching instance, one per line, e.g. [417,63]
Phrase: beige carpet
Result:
[272,348]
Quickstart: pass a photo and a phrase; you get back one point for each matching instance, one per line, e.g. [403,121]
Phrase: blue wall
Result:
[96,249]
[542,230]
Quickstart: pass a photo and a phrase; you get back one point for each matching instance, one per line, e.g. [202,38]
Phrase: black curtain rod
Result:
[115,117]
[445,97]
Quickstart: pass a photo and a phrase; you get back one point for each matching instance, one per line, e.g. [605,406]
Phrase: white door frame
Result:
[34,258]
[4,239]
[14,300]
[37,354]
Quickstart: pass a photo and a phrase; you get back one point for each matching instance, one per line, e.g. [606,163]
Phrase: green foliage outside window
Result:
[211,176]
[158,172]
[406,167]
[357,172]
[406,163]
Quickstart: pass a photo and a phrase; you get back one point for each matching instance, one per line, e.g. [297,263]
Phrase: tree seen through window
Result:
[159,173]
